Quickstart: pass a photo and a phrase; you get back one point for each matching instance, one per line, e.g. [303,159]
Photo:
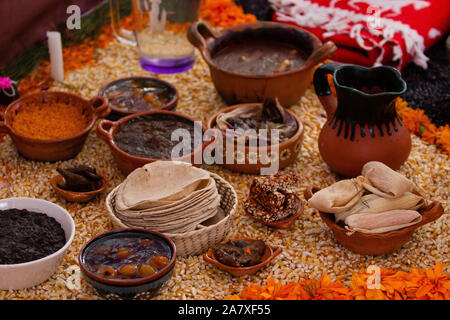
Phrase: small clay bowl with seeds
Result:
[376,243]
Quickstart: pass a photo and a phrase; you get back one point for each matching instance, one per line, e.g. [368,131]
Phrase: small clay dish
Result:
[285,155]
[284,223]
[76,196]
[160,87]
[53,149]
[135,288]
[270,253]
[376,243]
[235,87]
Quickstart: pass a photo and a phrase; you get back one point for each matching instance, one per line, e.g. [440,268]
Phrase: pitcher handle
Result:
[322,87]
[120,33]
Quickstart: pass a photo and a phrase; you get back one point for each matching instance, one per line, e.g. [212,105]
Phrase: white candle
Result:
[56,56]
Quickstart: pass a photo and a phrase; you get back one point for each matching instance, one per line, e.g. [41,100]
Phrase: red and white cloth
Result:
[371,32]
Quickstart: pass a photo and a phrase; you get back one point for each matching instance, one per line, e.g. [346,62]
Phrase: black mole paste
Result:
[149,136]
[26,236]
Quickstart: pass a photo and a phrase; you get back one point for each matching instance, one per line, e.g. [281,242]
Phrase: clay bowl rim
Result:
[271,251]
[297,135]
[168,106]
[285,223]
[329,221]
[132,282]
[71,195]
[398,76]
[315,41]
[115,125]
[52,93]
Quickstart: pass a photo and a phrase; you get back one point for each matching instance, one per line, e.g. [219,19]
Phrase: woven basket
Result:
[197,241]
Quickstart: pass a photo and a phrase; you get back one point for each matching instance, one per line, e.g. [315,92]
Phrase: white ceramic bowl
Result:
[29,274]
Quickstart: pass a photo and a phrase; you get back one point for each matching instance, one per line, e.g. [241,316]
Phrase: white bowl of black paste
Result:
[34,236]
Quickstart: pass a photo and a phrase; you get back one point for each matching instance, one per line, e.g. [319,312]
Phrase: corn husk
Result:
[373,203]
[338,197]
[382,222]
[384,181]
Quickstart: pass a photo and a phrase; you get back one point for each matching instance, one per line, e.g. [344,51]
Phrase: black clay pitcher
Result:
[362,124]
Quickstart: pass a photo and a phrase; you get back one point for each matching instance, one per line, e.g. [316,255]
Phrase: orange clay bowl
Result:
[236,87]
[126,162]
[287,150]
[56,149]
[377,243]
[270,253]
[76,196]
[285,223]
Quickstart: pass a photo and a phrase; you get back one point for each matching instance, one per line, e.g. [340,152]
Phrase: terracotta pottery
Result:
[270,253]
[376,243]
[76,196]
[284,223]
[127,162]
[236,88]
[171,105]
[363,124]
[288,150]
[57,149]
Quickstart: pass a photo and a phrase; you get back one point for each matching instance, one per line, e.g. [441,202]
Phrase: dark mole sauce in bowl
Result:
[259,58]
[127,257]
[149,136]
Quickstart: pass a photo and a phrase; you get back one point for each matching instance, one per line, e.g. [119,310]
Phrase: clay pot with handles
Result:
[362,122]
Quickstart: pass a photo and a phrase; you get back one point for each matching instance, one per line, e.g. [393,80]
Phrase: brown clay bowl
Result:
[171,105]
[287,150]
[236,88]
[57,149]
[270,253]
[76,196]
[137,289]
[376,243]
[126,162]
[284,223]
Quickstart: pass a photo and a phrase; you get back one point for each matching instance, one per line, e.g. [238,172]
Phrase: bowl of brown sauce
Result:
[254,61]
[142,138]
[139,94]
[128,263]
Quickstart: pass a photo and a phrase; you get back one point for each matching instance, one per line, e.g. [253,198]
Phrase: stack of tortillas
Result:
[167,196]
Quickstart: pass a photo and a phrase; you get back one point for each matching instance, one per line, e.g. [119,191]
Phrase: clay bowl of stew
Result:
[76,196]
[139,94]
[84,112]
[254,159]
[254,61]
[128,263]
[376,243]
[270,253]
[142,138]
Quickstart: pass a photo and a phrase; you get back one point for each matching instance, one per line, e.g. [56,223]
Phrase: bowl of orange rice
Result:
[51,126]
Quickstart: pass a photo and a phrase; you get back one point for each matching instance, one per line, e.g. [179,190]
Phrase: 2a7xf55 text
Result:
[225,309]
